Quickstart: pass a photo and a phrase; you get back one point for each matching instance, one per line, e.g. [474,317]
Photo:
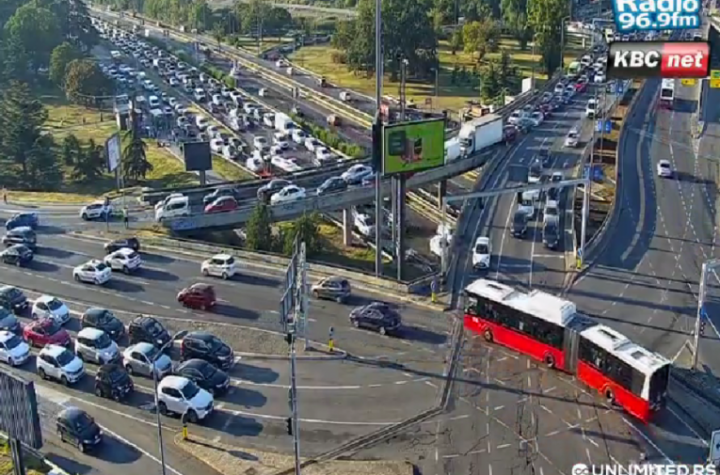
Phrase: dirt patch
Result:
[605,157]
[230,460]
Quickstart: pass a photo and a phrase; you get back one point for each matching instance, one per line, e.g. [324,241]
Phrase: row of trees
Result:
[259,234]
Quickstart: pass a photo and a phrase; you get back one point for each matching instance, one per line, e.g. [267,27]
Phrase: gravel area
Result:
[231,460]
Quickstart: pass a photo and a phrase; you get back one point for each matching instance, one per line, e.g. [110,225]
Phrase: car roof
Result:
[53,350]
[200,335]
[45,298]
[124,250]
[95,311]
[195,363]
[201,286]
[482,240]
[5,336]
[71,413]
[92,333]
[143,347]
[222,256]
[664,162]
[177,382]
[110,368]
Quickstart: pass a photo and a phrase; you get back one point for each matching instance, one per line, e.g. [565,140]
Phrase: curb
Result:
[337,356]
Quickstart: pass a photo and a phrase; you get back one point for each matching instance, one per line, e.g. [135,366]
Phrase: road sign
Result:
[703,313]
[715,74]
[715,83]
[619,87]
[598,126]
[688,81]
[608,126]
[714,457]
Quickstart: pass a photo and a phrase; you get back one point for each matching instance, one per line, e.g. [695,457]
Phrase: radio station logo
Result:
[636,60]
[641,15]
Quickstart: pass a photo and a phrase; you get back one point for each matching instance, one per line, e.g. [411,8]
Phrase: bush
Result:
[331,139]
[338,57]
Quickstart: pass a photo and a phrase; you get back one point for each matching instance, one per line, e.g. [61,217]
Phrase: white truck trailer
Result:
[480,133]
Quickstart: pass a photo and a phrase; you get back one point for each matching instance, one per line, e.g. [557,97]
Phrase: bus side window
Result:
[471,307]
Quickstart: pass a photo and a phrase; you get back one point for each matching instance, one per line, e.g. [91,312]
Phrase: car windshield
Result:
[103,341]
[214,344]
[51,327]
[551,211]
[573,135]
[83,422]
[117,376]
[13,342]
[535,172]
[481,249]
[65,357]
[13,293]
[105,318]
[101,266]
[54,304]
[664,165]
[154,328]
[208,371]
[190,390]
[151,353]
[551,231]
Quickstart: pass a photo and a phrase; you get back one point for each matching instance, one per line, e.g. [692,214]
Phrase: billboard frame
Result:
[191,165]
[390,165]
[113,152]
[19,417]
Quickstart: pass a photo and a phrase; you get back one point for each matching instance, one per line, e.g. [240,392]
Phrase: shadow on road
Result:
[156,274]
[68,464]
[254,374]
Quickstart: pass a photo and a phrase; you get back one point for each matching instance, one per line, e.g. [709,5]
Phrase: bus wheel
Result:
[487,334]
[610,396]
[549,361]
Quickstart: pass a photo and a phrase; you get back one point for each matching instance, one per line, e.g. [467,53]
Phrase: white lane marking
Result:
[548,256]
[701,439]
[648,440]
[311,421]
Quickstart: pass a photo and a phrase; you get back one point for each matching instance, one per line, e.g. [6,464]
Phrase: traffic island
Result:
[233,460]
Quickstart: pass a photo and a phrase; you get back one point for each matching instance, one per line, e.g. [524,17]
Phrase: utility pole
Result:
[586,194]
[702,315]
[293,402]
[400,217]
[377,137]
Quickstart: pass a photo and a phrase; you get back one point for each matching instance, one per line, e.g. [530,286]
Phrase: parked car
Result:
[104,320]
[208,347]
[18,220]
[23,235]
[14,351]
[52,308]
[149,330]
[204,374]
[199,296]
[59,363]
[376,316]
[112,381]
[78,428]
[46,332]
[94,345]
[17,255]
[117,244]
[179,395]
[13,298]
[332,288]
[9,321]
[144,358]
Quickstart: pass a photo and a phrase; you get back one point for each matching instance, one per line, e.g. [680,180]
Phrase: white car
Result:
[289,193]
[365,223]
[213,131]
[323,154]
[536,118]
[202,122]
[551,210]
[93,272]
[50,307]
[559,89]
[356,174]
[481,253]
[260,143]
[216,145]
[600,77]
[664,169]
[299,136]
[93,344]
[220,265]
[312,143]
[269,120]
[282,144]
[179,395]
[142,358]
[124,259]
[572,138]
[59,363]
[570,89]
[515,118]
[527,203]
[586,60]
[591,108]
[13,349]
[255,164]
[98,209]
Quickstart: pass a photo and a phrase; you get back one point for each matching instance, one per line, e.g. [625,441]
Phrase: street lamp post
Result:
[178,336]
[562,42]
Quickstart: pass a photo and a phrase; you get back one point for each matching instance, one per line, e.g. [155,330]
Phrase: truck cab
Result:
[528,202]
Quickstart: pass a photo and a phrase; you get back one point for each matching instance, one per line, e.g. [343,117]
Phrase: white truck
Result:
[283,123]
[452,149]
[148,33]
[480,133]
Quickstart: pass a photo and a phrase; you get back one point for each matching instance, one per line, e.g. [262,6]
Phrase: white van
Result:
[528,202]
[173,208]
[217,99]
[591,108]
[551,210]
[154,102]
[345,96]
[199,94]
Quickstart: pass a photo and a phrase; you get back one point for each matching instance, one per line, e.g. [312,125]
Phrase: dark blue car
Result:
[22,219]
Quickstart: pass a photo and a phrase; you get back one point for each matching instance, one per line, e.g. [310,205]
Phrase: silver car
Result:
[141,358]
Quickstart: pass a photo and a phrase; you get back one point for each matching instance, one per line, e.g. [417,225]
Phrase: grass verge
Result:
[33,466]
[450,96]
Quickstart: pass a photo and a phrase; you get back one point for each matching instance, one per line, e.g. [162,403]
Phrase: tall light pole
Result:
[562,42]
[377,137]
[178,336]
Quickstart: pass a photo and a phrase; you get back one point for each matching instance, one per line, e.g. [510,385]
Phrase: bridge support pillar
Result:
[442,192]
[347,227]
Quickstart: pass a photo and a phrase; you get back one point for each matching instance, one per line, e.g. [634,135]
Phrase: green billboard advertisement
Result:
[413,146]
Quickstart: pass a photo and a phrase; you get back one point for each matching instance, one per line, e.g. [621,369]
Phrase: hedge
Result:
[331,139]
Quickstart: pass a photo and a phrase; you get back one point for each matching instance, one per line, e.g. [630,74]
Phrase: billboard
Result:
[197,156]
[112,152]
[19,417]
[413,146]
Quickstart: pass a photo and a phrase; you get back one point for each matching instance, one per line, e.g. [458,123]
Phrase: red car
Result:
[581,86]
[222,204]
[509,133]
[46,332]
[200,296]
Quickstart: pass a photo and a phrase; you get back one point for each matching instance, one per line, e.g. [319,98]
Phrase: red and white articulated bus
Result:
[667,94]
[549,329]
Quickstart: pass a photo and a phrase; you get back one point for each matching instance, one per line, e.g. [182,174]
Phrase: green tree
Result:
[84,81]
[218,33]
[90,162]
[199,15]
[14,61]
[515,19]
[254,18]
[491,82]
[456,41]
[480,37]
[37,29]
[258,231]
[70,150]
[61,56]
[134,163]
[305,229]
[21,119]
[545,19]
[278,21]
[43,170]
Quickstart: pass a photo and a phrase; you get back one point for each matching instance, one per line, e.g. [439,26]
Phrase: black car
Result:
[17,255]
[551,234]
[78,428]
[113,382]
[332,185]
[376,316]
[553,194]
[104,320]
[545,158]
[219,193]
[519,224]
[149,330]
[208,347]
[22,235]
[13,298]
[29,220]
[205,375]
[265,192]
[131,243]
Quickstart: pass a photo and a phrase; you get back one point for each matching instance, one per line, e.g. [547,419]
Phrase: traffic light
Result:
[702,326]
[289,337]
[288,424]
